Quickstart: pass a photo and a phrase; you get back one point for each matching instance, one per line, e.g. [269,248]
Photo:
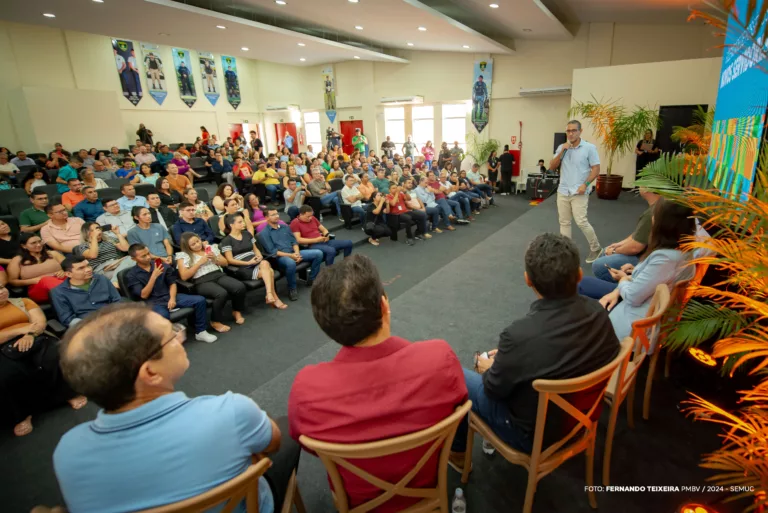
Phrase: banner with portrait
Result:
[182,63]
[481,93]
[210,76]
[329,95]
[229,65]
[153,69]
[127,70]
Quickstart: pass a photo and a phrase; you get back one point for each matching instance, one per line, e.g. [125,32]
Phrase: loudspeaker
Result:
[559,139]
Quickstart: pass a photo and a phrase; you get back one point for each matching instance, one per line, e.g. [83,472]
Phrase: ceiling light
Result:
[49,15]
[222,27]
[527,30]
[245,48]
[280,2]
[494,6]
[466,46]
[358,27]
[301,44]
[423,29]
[409,44]
[356,57]
[163,34]
[99,1]
[302,59]
[353,1]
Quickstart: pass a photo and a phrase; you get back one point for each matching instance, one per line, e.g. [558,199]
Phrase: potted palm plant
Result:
[480,149]
[618,129]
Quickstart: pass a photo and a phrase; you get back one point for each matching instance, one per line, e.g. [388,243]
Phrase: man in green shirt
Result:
[381,182]
[627,251]
[359,141]
[34,218]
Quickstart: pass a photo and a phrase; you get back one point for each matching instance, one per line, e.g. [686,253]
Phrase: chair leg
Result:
[667,363]
[530,489]
[609,444]
[590,454]
[299,502]
[649,383]
[631,404]
[468,454]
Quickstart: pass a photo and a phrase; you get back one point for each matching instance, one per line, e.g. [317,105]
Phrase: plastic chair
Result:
[50,189]
[202,195]
[144,189]
[581,438]
[110,193]
[437,438]
[623,381]
[116,182]
[6,197]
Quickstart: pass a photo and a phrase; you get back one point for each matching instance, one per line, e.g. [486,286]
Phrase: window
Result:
[455,124]
[312,129]
[394,125]
[423,126]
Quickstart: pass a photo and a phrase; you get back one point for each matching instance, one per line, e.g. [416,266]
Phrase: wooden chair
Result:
[622,383]
[440,436]
[581,438]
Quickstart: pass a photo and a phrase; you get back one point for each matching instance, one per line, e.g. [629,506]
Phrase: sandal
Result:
[267,300]
[24,427]
[278,304]
[373,242]
[239,319]
[219,327]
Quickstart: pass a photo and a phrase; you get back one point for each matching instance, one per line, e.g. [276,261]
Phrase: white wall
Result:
[655,84]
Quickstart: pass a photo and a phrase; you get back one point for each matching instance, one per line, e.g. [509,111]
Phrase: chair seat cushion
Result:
[181,314]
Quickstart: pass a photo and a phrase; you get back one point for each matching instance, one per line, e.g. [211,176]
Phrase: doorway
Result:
[347,133]
[235,131]
[287,128]
[672,116]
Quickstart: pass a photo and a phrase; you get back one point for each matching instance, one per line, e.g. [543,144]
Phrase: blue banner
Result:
[153,68]
[210,77]
[127,70]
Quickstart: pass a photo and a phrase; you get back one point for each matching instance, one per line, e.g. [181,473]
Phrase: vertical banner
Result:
[329,84]
[127,70]
[210,77]
[481,93]
[229,64]
[182,62]
[153,67]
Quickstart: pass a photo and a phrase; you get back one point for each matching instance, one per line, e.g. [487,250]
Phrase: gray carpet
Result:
[471,281]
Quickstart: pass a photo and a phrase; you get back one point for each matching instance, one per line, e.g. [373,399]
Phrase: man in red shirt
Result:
[377,387]
[398,215]
[439,191]
[309,232]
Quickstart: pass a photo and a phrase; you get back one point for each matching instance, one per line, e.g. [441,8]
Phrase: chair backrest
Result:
[213,224]
[143,189]
[52,174]
[336,184]
[123,286]
[16,207]
[437,437]
[23,170]
[6,197]
[645,331]
[202,195]
[109,193]
[116,182]
[556,391]
[196,162]
[51,189]
[230,494]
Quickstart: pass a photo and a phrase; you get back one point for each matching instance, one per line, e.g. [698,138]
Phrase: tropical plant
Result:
[697,137]
[617,127]
[480,149]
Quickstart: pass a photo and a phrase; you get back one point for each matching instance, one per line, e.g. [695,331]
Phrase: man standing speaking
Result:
[579,167]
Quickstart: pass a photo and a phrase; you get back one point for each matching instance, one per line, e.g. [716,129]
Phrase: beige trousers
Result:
[575,207]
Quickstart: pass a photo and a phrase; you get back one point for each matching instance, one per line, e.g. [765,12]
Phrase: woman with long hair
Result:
[205,136]
[201,264]
[231,208]
[494,164]
[168,196]
[34,178]
[336,171]
[9,244]
[201,208]
[36,267]
[245,260]
[291,172]
[285,154]
[428,151]
[224,192]
[184,168]
[256,212]
[375,224]
[328,162]
[662,263]
[646,151]
[146,175]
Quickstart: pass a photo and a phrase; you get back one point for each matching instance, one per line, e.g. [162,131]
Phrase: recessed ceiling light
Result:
[245,48]
[280,2]
[358,27]
[302,59]
[356,57]
[465,46]
[301,44]
[353,1]
[423,29]
[163,34]
[527,30]
[494,6]
[409,44]
[222,27]
[49,15]
[99,1]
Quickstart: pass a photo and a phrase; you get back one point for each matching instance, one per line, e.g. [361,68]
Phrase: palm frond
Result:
[701,322]
[671,174]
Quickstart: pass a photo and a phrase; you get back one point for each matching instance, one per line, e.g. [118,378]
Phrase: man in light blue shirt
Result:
[150,445]
[579,166]
[288,141]
[129,198]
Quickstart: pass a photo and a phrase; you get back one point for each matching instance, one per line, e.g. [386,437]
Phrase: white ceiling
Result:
[621,11]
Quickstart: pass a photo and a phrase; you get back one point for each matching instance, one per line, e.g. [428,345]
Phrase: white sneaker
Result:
[206,337]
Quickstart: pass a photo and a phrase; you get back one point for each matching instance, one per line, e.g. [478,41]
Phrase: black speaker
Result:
[559,139]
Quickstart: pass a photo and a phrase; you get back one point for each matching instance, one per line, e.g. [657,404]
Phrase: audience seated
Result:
[90,208]
[309,232]
[21,159]
[381,182]
[82,292]
[7,169]
[129,199]
[61,233]
[35,178]
[479,184]
[128,171]
[95,177]
[114,216]
[398,214]
[201,264]
[29,376]
[201,208]
[222,169]
[188,222]
[629,250]
[454,192]
[662,262]
[156,284]
[9,244]
[178,183]
[225,191]
[35,267]
[183,167]
[152,235]
[320,189]
[465,186]
[280,244]
[68,172]
[294,195]
[74,195]
[160,213]
[168,196]
[34,218]
[451,208]
[428,197]
[351,195]
[378,386]
[105,250]
[270,179]
[231,207]
[245,261]
[149,444]
[564,335]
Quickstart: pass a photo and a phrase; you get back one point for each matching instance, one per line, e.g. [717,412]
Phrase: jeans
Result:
[595,288]
[612,261]
[288,265]
[456,206]
[360,211]
[494,413]
[464,202]
[293,212]
[187,301]
[434,215]
[484,188]
[329,249]
[331,197]
[273,190]
[428,164]
[575,207]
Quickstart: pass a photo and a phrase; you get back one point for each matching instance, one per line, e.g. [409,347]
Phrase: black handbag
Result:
[41,355]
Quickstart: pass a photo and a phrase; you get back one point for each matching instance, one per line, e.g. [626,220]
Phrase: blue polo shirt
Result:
[164,158]
[277,239]
[137,278]
[164,451]
[199,227]
[576,165]
[88,210]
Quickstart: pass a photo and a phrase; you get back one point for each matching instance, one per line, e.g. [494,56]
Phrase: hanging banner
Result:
[153,67]
[330,92]
[182,63]
[481,93]
[127,70]
[229,64]
[210,77]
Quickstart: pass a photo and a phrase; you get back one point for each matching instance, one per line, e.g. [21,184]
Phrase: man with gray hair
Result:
[579,166]
[151,445]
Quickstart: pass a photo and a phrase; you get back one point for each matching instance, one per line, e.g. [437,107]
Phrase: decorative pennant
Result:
[481,93]
[182,62]
[229,64]
[210,77]
[153,66]
[329,84]
[127,70]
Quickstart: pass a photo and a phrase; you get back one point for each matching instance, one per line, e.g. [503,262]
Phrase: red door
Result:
[235,130]
[287,128]
[347,133]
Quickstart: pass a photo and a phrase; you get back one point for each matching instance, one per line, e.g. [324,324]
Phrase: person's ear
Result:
[385,311]
[581,274]
[147,375]
[527,279]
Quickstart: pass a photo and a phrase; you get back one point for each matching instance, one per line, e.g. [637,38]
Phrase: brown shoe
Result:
[437,230]
[450,228]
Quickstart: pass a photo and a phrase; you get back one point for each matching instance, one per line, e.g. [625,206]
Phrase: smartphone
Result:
[158,262]
[208,250]
[106,227]
[485,355]
[607,266]
[331,236]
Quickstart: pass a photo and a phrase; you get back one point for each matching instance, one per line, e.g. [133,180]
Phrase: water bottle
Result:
[488,447]
[321,218]
[459,502]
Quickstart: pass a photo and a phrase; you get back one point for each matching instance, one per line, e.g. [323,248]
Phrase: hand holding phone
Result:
[159,262]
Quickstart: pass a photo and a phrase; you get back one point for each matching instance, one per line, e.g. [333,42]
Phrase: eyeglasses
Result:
[571,131]
[179,333]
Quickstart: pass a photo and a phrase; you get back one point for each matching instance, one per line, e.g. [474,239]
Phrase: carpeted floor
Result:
[471,283]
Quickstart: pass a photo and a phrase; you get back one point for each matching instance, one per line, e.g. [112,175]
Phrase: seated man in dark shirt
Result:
[189,223]
[564,335]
